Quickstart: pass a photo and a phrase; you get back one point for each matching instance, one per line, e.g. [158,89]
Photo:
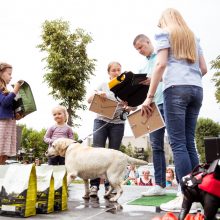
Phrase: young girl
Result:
[7,117]
[60,129]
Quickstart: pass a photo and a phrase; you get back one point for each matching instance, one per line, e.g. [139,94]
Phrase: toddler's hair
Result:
[3,87]
[63,109]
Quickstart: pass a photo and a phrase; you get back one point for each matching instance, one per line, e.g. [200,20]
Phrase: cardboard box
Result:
[141,125]
[103,106]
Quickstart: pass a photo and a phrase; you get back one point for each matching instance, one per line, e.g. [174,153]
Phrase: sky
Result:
[113,24]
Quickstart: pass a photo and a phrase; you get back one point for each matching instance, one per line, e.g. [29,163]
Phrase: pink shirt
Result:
[56,132]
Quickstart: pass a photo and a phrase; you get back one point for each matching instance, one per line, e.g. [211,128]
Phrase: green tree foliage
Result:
[32,143]
[215,64]
[68,67]
[205,128]
[127,150]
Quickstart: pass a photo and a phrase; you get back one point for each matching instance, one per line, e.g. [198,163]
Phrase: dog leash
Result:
[122,116]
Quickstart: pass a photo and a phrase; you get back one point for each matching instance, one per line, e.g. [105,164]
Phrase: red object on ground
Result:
[198,216]
[169,216]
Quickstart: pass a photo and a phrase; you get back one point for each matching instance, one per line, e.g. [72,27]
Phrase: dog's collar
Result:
[74,143]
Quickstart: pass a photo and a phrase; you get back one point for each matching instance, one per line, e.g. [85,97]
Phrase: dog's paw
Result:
[113,199]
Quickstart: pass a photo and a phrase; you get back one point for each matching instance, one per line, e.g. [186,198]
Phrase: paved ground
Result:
[79,209]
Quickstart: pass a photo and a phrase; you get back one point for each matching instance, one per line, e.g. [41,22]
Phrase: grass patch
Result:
[153,200]
[78,181]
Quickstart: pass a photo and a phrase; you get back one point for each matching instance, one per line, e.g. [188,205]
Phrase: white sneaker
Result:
[154,191]
[175,205]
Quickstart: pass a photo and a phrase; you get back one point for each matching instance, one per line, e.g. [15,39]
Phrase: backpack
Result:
[125,89]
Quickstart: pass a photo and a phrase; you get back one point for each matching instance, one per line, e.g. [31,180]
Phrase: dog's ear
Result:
[63,146]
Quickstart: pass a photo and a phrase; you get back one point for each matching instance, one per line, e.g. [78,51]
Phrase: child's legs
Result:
[61,160]
[53,160]
[3,158]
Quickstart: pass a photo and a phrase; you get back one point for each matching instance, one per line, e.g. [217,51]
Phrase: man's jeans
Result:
[181,107]
[157,143]
[114,133]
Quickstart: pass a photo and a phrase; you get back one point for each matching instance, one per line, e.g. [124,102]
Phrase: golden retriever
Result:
[90,162]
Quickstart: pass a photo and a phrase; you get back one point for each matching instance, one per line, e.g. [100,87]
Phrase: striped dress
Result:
[8,137]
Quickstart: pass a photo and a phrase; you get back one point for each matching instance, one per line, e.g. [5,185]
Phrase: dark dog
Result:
[202,185]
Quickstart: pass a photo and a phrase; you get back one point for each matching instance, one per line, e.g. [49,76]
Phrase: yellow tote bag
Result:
[18,190]
[45,189]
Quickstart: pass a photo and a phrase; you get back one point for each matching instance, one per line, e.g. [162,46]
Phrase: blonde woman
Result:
[7,116]
[170,178]
[179,52]
[58,130]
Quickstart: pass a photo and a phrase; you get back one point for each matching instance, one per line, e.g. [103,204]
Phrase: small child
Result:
[7,115]
[59,130]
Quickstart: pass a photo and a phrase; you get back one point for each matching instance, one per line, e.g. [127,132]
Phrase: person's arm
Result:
[97,91]
[7,100]
[17,86]
[156,77]
[70,133]
[89,100]
[48,136]
[202,65]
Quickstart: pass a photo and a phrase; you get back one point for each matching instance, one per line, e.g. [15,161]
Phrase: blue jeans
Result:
[157,143]
[181,107]
[113,132]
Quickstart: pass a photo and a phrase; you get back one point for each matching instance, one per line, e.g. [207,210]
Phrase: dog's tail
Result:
[135,161]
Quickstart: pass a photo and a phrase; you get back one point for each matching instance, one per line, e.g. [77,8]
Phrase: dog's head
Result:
[58,147]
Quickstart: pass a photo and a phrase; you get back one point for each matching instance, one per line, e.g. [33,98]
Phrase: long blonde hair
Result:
[3,86]
[182,39]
